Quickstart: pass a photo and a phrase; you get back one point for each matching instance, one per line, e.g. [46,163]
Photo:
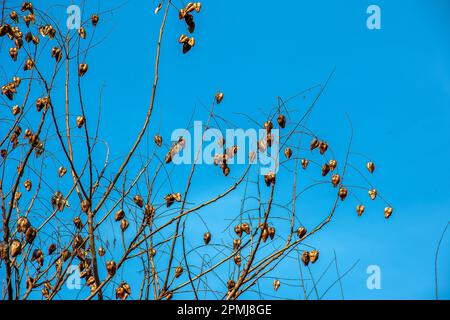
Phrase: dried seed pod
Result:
[58,201]
[178,271]
[276,285]
[82,69]
[360,210]
[231,284]
[314,256]
[281,121]
[30,18]
[236,243]
[16,110]
[94,20]
[371,166]
[15,248]
[305,163]
[189,19]
[158,8]
[268,126]
[27,185]
[237,260]
[245,227]
[305,258]
[124,224]
[323,147]
[65,255]
[158,140]
[23,224]
[138,201]
[62,171]
[78,242]
[80,121]
[27,6]
[57,54]
[335,179]
[119,215]
[38,256]
[197,6]
[314,144]
[152,252]
[77,222]
[111,267]
[207,237]
[13,53]
[30,235]
[301,232]
[288,152]
[188,44]
[269,140]
[101,252]
[28,37]
[343,193]
[265,234]
[270,179]
[51,249]
[238,230]
[373,194]
[332,164]
[85,205]
[82,33]
[271,231]
[388,212]
[29,64]
[4,153]
[14,16]
[325,169]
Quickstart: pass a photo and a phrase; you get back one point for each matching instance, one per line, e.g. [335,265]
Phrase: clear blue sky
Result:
[394,83]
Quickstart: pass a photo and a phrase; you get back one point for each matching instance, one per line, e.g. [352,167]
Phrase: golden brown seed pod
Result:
[314,256]
[77,243]
[187,46]
[82,33]
[236,243]
[270,179]
[198,6]
[101,251]
[360,209]
[323,147]
[335,179]
[245,227]
[111,267]
[288,152]
[23,224]
[158,8]
[276,285]
[281,121]
[181,13]
[124,224]
[268,125]
[178,271]
[373,194]
[82,69]
[219,97]
[119,215]
[30,235]
[325,169]
[13,52]
[16,110]
[230,284]
[85,204]
[14,16]
[138,201]
[305,258]
[371,166]
[57,54]
[27,185]
[66,255]
[271,231]
[4,153]
[238,230]
[80,121]
[265,234]
[29,64]
[314,144]
[388,212]
[169,295]
[28,37]
[269,140]
[332,164]
[305,163]
[62,171]
[301,232]
[51,249]
[94,20]
[158,140]
[343,193]
[15,248]
[183,38]
[77,222]
[207,238]
[123,291]
[237,260]
[27,6]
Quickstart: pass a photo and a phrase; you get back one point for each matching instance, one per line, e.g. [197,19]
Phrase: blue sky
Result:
[394,84]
